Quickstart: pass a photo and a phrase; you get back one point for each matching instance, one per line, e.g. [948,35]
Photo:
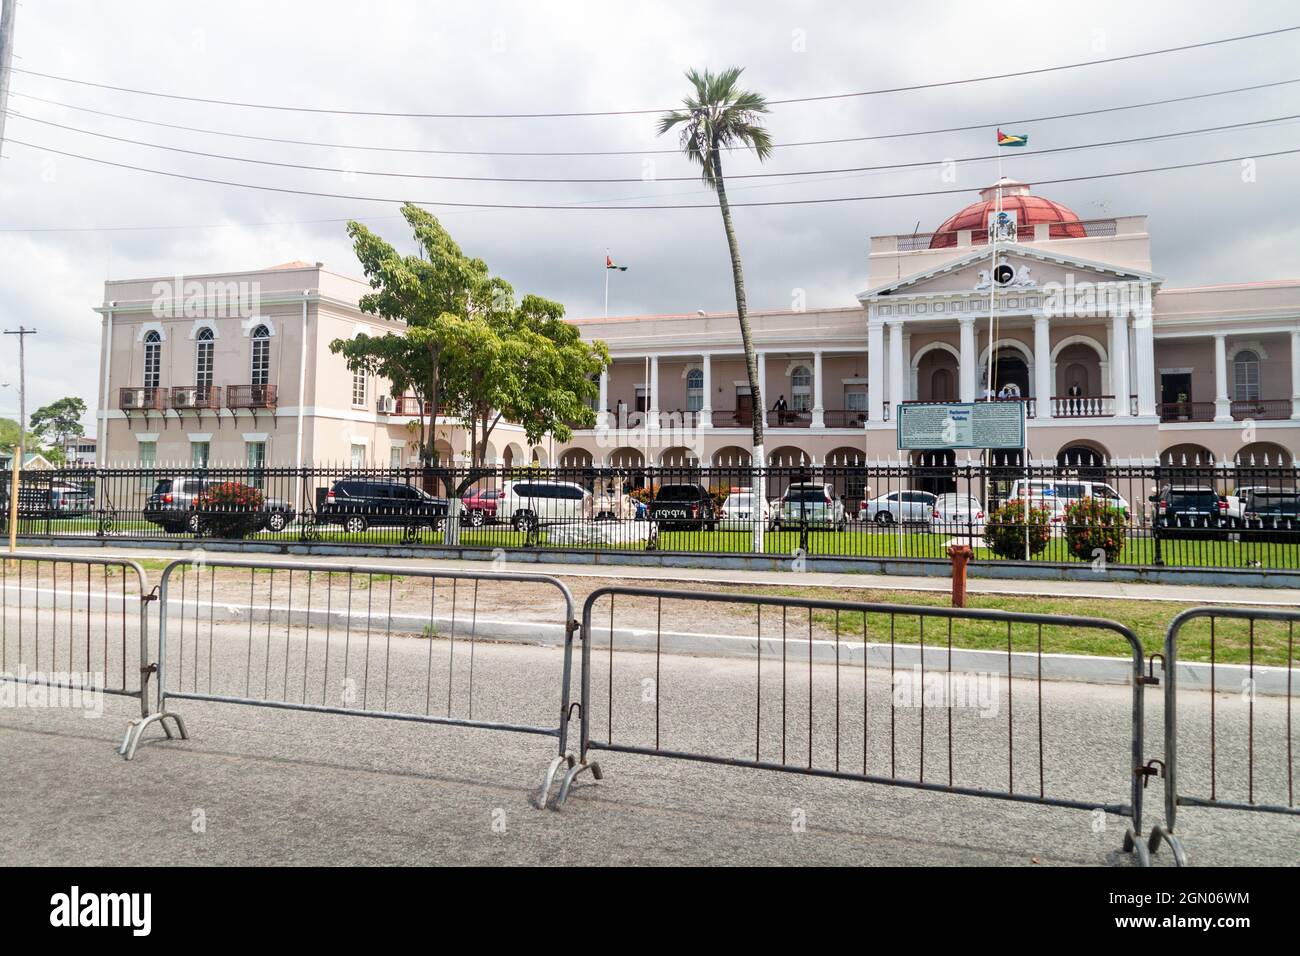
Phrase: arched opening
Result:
[576,458]
[625,457]
[1266,455]
[1187,455]
[694,390]
[1010,373]
[679,458]
[628,465]
[1078,378]
[1085,459]
[936,375]
[788,456]
[934,471]
[1245,376]
[732,456]
[846,470]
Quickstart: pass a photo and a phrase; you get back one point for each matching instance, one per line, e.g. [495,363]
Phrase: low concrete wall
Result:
[929,567]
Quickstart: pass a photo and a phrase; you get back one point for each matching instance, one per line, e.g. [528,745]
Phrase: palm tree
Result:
[716,117]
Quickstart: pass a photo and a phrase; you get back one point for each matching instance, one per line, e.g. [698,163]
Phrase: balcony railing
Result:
[844,418]
[1186,411]
[195,396]
[1083,406]
[143,399]
[789,419]
[408,405]
[250,396]
[1266,409]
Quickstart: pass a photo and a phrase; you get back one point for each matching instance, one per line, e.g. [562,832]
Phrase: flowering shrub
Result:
[642,494]
[1004,532]
[1092,526]
[230,509]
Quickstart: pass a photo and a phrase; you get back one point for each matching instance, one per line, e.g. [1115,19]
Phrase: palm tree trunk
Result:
[758,411]
[738,279]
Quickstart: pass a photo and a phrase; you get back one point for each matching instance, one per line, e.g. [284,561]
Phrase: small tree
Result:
[1005,532]
[55,423]
[1093,526]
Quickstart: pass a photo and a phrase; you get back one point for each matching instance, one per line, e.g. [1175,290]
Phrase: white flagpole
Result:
[606,266]
[993,285]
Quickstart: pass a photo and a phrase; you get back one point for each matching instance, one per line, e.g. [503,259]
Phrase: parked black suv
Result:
[1271,515]
[685,505]
[1189,509]
[358,503]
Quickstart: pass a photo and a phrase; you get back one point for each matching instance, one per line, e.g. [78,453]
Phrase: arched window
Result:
[694,390]
[800,388]
[152,358]
[1245,368]
[203,358]
[261,367]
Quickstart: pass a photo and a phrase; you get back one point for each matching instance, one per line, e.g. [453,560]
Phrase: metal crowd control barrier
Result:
[781,700]
[367,641]
[1253,722]
[78,626]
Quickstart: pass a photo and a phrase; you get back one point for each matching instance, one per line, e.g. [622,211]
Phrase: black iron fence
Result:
[1156,515]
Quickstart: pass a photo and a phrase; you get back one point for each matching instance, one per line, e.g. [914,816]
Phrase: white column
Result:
[1295,374]
[875,372]
[602,417]
[967,372]
[1042,367]
[1145,362]
[1119,364]
[818,412]
[897,381]
[1222,404]
[652,404]
[706,409]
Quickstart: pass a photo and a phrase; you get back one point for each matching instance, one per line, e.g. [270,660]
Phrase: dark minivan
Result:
[358,503]
[686,505]
[1271,515]
[1189,509]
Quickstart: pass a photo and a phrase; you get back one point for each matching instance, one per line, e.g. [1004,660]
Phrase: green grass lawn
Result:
[1147,619]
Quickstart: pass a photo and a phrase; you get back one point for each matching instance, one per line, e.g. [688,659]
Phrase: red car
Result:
[480,507]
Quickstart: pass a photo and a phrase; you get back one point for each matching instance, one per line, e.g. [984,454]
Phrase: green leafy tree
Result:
[9,437]
[420,291]
[55,423]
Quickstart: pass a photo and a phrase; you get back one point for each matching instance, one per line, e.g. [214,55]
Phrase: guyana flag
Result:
[609,264]
[1012,139]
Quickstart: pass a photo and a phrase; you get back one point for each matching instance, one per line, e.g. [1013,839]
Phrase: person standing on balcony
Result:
[780,408]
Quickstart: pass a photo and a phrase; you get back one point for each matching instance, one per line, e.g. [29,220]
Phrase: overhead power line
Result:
[560,206]
[1129,140]
[633,112]
[434,151]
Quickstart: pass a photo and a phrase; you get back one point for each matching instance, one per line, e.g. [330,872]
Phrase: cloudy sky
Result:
[67,224]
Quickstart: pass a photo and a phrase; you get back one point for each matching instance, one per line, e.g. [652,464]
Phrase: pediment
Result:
[1030,268]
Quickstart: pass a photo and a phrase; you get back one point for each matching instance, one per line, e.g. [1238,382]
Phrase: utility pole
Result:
[8,9]
[21,451]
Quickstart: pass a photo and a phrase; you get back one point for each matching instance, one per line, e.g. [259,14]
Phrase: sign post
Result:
[949,426]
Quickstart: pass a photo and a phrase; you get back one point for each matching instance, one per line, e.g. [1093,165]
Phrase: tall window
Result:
[359,387]
[261,370]
[395,456]
[694,390]
[358,456]
[199,452]
[152,358]
[203,359]
[1245,367]
[801,389]
[147,453]
[855,398]
[255,453]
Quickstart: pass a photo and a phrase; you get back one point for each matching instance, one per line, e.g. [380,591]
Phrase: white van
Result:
[532,502]
[1057,494]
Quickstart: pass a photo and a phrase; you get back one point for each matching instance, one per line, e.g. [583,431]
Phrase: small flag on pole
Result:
[609,264]
[1012,139]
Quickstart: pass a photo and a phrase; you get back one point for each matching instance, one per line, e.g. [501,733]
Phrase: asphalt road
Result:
[261,786]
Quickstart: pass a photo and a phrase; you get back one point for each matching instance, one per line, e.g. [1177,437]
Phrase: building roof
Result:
[1029,210]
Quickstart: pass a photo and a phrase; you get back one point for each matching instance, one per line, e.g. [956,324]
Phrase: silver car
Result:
[809,504]
[958,514]
[906,506]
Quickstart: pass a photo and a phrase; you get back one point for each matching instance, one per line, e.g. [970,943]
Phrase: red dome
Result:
[1029,210]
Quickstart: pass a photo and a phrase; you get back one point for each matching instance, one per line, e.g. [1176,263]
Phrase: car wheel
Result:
[276,521]
[476,519]
[193,524]
[355,524]
[884,519]
[525,522]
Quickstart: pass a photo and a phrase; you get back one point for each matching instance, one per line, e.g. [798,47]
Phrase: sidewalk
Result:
[838,581]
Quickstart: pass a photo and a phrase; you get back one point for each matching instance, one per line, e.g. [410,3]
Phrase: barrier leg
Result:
[544,794]
[1133,844]
[1158,834]
[571,776]
[135,730]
